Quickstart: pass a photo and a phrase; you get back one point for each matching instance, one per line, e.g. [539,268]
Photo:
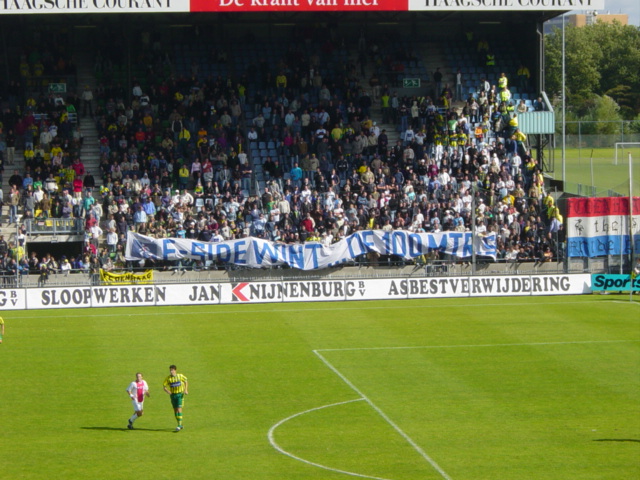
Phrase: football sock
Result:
[179,418]
[133,418]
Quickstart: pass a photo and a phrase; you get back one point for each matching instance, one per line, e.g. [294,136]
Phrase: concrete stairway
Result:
[90,152]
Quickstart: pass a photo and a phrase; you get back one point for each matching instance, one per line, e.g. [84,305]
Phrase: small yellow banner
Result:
[128,278]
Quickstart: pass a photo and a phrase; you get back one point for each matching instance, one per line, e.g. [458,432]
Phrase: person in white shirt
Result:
[512,255]
[65,268]
[444,177]
[137,90]
[45,139]
[96,233]
[87,99]
[306,193]
[137,390]
[112,240]
[217,237]
[145,181]
[38,195]
[408,136]
[176,200]
[516,162]
[466,202]
[418,219]
[186,199]
[327,239]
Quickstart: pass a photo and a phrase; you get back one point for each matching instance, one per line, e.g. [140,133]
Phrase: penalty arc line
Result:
[275,445]
[415,446]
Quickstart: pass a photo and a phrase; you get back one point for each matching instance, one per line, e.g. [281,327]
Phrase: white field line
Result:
[275,445]
[628,302]
[385,417]
[239,310]
[416,447]
[473,346]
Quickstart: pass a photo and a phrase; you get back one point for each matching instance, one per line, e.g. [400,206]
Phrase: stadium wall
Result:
[293,291]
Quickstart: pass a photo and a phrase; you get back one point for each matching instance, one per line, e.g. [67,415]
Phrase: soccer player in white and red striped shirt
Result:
[137,390]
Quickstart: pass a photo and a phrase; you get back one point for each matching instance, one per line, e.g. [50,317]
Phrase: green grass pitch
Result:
[606,174]
[461,389]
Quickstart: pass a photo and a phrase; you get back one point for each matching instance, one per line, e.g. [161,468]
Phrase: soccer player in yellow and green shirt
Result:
[1,329]
[176,386]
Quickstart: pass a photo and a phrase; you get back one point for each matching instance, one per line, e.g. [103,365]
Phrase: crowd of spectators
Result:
[181,157]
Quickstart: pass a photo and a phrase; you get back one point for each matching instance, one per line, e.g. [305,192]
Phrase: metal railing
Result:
[54,226]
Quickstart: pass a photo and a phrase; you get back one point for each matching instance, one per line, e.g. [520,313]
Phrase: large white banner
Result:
[258,253]
[293,291]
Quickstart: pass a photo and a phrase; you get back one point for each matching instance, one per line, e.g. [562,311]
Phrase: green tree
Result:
[600,59]
[604,113]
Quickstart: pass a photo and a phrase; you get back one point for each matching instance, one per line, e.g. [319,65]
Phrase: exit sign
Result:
[57,88]
[411,83]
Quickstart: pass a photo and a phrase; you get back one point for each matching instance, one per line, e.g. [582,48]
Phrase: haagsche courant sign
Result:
[293,291]
[186,6]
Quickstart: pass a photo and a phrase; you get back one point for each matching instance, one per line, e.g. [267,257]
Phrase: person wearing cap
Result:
[65,266]
[176,198]
[186,199]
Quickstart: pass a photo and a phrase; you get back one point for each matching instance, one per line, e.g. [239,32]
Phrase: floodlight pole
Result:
[593,185]
[564,110]
[631,242]
[473,231]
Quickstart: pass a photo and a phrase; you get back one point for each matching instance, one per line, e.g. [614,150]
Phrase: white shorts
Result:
[137,406]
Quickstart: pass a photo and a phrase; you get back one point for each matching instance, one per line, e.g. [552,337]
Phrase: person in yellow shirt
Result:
[56,150]
[176,386]
[184,135]
[337,133]
[523,77]
[29,155]
[184,175]
[147,120]
[1,329]
[281,83]
[503,81]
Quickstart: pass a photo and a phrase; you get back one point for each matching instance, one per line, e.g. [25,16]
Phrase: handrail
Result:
[546,101]
[54,226]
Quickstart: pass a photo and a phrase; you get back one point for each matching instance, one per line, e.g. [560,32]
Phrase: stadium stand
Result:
[294,140]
